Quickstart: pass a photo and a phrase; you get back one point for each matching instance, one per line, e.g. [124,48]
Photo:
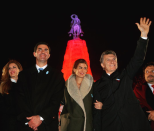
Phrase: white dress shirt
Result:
[37,67]
[13,80]
[151,88]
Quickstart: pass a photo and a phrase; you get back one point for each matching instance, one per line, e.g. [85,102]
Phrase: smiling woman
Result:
[80,71]
[8,114]
[77,111]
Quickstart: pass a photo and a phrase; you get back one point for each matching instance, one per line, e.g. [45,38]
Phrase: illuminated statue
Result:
[75,27]
[76,48]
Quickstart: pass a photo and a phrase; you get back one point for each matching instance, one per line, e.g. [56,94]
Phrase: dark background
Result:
[105,26]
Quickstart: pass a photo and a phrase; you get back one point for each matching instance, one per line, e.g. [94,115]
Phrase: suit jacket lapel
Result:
[41,81]
[32,81]
[44,77]
[140,93]
[74,91]
[38,83]
[86,85]
[149,97]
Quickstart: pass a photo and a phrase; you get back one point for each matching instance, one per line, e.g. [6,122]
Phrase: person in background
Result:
[78,97]
[8,91]
[145,92]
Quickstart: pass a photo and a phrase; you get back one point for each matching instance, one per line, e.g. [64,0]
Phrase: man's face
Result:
[109,63]
[42,53]
[149,74]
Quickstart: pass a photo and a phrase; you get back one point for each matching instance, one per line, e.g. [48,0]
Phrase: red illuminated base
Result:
[76,49]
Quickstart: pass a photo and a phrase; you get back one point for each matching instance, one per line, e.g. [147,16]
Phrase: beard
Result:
[150,79]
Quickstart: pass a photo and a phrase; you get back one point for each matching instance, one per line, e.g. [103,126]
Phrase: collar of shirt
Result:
[37,67]
[12,80]
[150,85]
[145,38]
[108,74]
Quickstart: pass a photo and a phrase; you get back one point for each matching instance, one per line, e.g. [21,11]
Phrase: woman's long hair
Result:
[5,79]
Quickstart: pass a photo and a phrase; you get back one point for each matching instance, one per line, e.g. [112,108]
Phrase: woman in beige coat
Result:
[77,111]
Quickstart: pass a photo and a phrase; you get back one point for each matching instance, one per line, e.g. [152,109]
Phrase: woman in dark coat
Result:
[8,111]
[77,111]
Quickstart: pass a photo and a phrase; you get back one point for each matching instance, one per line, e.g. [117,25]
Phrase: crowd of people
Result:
[30,99]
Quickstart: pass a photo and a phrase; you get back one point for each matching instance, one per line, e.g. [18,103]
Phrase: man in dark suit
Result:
[116,106]
[145,92]
[41,89]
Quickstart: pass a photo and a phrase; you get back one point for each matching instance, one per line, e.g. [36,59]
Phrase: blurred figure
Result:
[145,92]
[8,113]
[78,96]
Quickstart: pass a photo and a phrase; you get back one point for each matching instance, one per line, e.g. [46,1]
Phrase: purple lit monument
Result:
[75,27]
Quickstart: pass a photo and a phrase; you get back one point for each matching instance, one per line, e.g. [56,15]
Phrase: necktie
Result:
[153,88]
[40,69]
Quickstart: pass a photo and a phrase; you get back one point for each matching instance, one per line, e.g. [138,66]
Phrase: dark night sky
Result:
[105,27]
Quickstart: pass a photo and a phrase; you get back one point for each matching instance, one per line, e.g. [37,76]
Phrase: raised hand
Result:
[144,26]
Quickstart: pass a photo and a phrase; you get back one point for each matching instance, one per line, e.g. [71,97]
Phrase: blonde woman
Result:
[8,111]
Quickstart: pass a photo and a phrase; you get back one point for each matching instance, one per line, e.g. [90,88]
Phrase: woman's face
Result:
[13,70]
[81,70]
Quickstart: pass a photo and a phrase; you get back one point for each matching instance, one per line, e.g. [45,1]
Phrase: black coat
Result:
[121,110]
[8,111]
[40,94]
[146,98]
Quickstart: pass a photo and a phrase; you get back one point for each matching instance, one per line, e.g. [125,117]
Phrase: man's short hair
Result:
[106,53]
[148,64]
[41,43]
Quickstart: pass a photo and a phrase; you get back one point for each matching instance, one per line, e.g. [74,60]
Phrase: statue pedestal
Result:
[76,49]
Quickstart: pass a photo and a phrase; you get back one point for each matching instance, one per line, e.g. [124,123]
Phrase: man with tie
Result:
[116,107]
[145,92]
[41,89]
